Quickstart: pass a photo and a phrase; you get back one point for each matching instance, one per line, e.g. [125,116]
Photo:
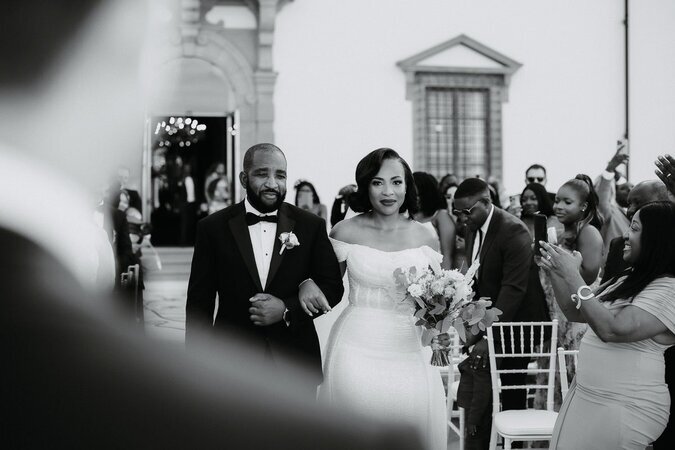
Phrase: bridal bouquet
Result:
[442,299]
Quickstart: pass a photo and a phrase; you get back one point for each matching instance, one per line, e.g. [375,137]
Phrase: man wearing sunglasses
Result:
[507,275]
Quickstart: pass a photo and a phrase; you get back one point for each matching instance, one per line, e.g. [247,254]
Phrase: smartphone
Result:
[515,200]
[540,232]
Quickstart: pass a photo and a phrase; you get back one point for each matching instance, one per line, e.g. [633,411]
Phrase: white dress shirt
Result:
[262,236]
[478,245]
[189,189]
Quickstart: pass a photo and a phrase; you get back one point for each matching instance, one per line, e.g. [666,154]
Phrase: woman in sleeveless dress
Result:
[375,365]
[576,208]
[619,398]
[434,215]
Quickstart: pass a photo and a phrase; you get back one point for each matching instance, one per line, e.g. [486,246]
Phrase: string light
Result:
[179,132]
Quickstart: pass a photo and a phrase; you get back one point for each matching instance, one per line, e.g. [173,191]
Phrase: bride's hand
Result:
[312,299]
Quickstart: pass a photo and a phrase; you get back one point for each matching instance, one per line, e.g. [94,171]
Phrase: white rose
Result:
[462,291]
[415,290]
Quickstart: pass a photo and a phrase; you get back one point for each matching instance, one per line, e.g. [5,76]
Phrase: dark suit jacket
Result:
[507,273]
[615,263]
[116,227]
[134,199]
[224,262]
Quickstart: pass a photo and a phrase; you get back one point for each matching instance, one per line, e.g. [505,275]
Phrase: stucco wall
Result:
[339,93]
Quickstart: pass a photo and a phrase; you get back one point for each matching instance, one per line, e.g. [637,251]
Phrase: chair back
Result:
[522,340]
[562,367]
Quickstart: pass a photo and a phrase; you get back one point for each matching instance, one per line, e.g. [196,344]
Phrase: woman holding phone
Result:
[576,208]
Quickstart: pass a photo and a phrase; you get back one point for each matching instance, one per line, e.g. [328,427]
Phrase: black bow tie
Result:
[252,219]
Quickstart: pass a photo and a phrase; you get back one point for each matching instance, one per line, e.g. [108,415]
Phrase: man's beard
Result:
[258,204]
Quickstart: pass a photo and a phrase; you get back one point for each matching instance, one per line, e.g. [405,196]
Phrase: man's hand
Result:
[620,157]
[479,355]
[312,299]
[266,309]
[665,170]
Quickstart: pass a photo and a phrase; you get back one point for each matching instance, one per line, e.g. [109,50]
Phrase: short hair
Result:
[262,147]
[657,252]
[536,166]
[430,199]
[471,187]
[302,183]
[366,170]
[544,202]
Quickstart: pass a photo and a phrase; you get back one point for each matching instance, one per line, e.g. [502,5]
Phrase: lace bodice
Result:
[371,273]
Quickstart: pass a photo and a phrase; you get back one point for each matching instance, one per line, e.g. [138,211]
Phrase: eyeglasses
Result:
[535,179]
[466,212]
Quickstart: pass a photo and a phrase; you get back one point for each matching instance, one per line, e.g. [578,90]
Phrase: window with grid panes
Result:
[457,124]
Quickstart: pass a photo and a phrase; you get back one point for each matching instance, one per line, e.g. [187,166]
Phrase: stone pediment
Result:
[461,54]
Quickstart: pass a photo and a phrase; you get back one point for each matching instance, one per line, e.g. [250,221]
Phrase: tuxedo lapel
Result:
[490,236]
[285,225]
[243,239]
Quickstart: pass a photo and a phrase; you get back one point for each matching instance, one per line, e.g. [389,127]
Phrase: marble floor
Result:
[164,303]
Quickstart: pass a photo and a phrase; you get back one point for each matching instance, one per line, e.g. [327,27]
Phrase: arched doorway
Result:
[191,148]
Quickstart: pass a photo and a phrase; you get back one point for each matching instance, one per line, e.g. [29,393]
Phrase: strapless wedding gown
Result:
[375,363]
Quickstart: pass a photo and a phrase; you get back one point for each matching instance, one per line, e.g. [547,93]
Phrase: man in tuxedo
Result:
[262,282]
[507,275]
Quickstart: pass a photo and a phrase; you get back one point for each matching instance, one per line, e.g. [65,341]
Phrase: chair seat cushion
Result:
[525,422]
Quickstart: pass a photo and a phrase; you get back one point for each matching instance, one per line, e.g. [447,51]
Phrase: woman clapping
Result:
[619,398]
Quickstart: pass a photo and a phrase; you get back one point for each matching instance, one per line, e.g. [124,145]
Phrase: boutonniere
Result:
[288,241]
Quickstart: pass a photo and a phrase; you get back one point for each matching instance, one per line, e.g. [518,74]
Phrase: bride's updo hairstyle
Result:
[366,170]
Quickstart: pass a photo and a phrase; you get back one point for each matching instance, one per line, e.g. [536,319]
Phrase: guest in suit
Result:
[123,174]
[239,255]
[507,275]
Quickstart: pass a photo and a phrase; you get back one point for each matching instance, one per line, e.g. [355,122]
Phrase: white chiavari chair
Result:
[562,368]
[452,385]
[517,340]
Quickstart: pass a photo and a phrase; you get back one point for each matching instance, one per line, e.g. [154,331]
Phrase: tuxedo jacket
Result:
[224,263]
[507,272]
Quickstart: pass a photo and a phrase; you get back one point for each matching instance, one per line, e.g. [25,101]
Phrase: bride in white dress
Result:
[375,364]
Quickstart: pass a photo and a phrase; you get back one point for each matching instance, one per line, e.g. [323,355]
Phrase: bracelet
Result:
[579,296]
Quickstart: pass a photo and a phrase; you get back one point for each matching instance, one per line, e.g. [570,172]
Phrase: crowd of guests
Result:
[590,219]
